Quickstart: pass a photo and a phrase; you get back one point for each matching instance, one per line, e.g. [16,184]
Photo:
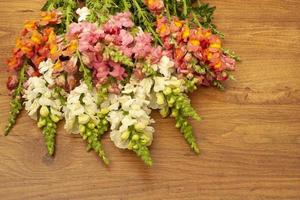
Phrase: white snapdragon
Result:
[80,108]
[164,81]
[38,95]
[131,109]
[46,68]
[83,13]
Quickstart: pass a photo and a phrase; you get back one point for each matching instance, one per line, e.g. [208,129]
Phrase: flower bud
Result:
[81,128]
[135,147]
[135,137]
[160,99]
[167,91]
[104,111]
[164,112]
[91,125]
[41,123]
[139,126]
[83,119]
[174,113]
[130,145]
[88,133]
[105,122]
[125,135]
[145,140]
[44,111]
[176,91]
[50,124]
[171,101]
[54,118]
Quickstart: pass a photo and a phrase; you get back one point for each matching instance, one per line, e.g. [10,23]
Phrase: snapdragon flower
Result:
[83,116]
[42,104]
[129,118]
[170,98]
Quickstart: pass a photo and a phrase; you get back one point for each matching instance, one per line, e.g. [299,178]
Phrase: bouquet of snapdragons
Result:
[103,66]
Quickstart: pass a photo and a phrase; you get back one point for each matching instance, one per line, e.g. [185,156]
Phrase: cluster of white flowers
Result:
[81,107]
[164,82]
[130,109]
[37,93]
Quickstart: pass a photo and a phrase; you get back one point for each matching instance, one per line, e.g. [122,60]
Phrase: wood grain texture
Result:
[250,135]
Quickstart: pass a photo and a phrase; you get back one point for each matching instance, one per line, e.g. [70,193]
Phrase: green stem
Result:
[87,74]
[146,22]
[175,7]
[184,8]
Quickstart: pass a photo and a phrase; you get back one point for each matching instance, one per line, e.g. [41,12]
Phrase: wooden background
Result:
[250,135]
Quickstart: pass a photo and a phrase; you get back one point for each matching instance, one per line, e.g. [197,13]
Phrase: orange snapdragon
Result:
[35,44]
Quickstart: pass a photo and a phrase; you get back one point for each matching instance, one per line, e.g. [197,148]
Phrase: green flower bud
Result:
[145,140]
[88,133]
[176,91]
[167,91]
[104,122]
[44,111]
[41,123]
[164,112]
[104,111]
[130,145]
[50,124]
[54,118]
[174,113]
[135,147]
[84,137]
[171,101]
[83,119]
[125,135]
[139,126]
[81,128]
[160,98]
[135,137]
[91,125]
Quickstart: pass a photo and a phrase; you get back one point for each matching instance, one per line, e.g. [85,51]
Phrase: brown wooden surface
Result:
[250,135]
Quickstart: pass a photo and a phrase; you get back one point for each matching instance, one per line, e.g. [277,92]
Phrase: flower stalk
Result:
[16,103]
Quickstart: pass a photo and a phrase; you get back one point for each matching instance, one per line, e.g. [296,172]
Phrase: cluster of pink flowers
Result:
[116,32]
